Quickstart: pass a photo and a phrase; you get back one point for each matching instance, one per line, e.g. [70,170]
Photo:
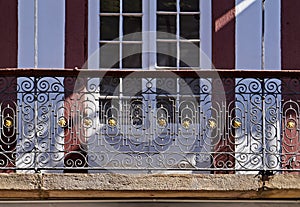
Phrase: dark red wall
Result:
[76,53]
[76,33]
[8,59]
[290,60]
[223,34]
[290,34]
[223,57]
[8,33]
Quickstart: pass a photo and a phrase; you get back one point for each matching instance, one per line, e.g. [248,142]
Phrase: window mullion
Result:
[177,34]
[152,33]
[121,35]
[145,38]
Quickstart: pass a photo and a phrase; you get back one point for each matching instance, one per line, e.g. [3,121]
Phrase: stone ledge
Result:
[19,182]
[157,182]
[93,186]
[283,181]
[282,186]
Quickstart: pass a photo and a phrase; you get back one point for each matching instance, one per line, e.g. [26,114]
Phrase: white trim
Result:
[178,12]
[121,39]
[93,34]
[205,34]
[119,14]
[36,31]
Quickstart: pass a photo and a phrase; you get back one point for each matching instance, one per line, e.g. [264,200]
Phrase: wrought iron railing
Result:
[149,121]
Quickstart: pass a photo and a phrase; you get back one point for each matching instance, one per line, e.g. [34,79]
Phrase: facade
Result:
[161,99]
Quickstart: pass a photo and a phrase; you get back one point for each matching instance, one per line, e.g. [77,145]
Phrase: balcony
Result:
[165,121]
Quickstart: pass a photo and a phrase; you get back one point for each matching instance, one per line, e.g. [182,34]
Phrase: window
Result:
[175,25]
[118,19]
[141,117]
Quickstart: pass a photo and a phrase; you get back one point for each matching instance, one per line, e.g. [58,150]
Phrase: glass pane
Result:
[109,28]
[189,26]
[132,6]
[132,25]
[132,86]
[132,56]
[109,55]
[166,54]
[166,5]
[189,5]
[189,54]
[112,6]
[166,24]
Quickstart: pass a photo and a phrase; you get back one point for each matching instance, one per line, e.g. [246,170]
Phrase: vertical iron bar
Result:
[263,85]
[263,125]
[35,124]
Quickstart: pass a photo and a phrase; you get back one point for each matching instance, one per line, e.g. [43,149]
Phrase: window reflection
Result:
[132,6]
[109,28]
[189,5]
[166,24]
[132,56]
[189,54]
[110,6]
[189,26]
[166,54]
[166,5]
[132,25]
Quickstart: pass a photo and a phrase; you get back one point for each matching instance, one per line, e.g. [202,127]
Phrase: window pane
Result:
[132,56]
[189,26]
[109,55]
[132,25]
[166,54]
[189,5]
[167,24]
[109,28]
[132,6]
[112,6]
[189,54]
[166,5]
[132,86]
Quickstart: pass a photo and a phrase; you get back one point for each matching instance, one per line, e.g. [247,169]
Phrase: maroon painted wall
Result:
[76,33]
[9,59]
[290,34]
[223,57]
[76,52]
[290,60]
[223,34]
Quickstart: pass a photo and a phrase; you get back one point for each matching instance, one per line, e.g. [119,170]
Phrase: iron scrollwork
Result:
[150,124]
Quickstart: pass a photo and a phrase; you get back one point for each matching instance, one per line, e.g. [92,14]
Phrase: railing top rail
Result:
[203,73]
